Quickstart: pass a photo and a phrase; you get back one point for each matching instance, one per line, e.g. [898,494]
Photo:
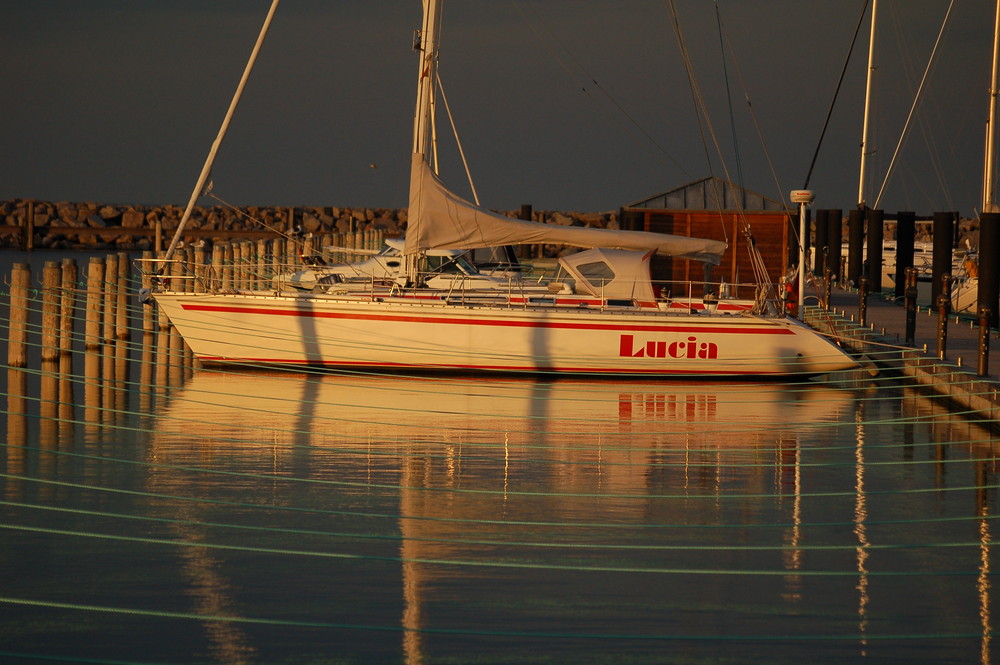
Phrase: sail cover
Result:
[438,219]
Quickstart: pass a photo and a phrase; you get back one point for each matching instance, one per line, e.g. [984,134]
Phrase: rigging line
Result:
[692,84]
[756,122]
[934,152]
[836,93]
[551,38]
[458,141]
[916,101]
[729,101]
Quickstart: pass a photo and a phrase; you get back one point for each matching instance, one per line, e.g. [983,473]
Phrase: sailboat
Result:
[601,316]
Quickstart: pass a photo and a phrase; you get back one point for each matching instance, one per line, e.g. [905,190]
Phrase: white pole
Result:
[802,258]
[868,97]
[207,168]
[803,197]
[988,204]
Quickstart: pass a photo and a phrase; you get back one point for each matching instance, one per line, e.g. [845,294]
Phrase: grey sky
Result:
[118,100]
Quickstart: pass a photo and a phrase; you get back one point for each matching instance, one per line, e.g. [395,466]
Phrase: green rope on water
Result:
[395,517]
[399,537]
[723,637]
[506,564]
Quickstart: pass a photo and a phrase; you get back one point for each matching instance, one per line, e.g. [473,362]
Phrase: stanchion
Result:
[862,300]
[910,302]
[944,309]
[984,314]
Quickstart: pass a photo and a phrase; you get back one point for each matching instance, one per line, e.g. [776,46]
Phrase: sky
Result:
[562,104]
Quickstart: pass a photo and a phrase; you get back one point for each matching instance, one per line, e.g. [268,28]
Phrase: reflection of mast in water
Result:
[983,581]
[860,530]
[410,477]
[790,447]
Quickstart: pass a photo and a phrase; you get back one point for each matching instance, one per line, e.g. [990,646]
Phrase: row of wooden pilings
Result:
[110,290]
[865,232]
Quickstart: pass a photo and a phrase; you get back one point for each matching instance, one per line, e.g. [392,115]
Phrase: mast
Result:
[426,76]
[207,168]
[989,160]
[868,96]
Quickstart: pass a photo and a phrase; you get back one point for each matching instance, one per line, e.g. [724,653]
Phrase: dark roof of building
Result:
[711,193]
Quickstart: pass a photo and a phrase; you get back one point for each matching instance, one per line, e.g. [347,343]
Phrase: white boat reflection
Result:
[526,418]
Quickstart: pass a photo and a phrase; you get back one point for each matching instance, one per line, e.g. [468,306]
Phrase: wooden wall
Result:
[770,230]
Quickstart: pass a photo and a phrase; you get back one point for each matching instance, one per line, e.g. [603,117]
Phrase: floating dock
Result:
[880,335]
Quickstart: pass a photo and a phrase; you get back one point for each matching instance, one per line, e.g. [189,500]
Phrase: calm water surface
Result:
[155,513]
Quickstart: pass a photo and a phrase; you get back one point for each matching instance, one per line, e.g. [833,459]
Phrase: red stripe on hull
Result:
[663,327]
[481,368]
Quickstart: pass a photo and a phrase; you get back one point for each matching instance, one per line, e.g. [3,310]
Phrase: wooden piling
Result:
[227,267]
[110,292]
[121,318]
[262,273]
[51,286]
[67,312]
[29,227]
[200,272]
[20,287]
[95,302]
[149,309]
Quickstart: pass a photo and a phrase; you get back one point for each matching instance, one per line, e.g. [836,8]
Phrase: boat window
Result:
[597,273]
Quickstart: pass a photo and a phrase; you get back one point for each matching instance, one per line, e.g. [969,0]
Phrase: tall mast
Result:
[426,75]
[868,96]
[990,161]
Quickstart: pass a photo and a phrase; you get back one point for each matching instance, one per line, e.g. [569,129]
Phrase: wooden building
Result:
[720,210]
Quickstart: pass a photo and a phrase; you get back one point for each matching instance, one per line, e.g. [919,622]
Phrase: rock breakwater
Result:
[88,225]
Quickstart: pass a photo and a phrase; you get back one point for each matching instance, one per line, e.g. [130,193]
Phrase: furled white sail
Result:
[438,219]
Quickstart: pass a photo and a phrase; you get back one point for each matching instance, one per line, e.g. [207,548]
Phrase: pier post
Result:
[121,316]
[983,365]
[863,285]
[51,283]
[29,227]
[228,278]
[989,265]
[941,263]
[20,285]
[821,247]
[944,309]
[110,290]
[906,222]
[215,269]
[67,313]
[147,283]
[200,278]
[261,281]
[95,301]
[834,242]
[856,242]
[910,301]
[876,235]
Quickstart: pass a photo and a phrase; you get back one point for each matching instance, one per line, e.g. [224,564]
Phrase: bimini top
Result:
[611,273]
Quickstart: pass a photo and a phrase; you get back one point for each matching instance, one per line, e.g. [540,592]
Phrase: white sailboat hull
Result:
[398,333]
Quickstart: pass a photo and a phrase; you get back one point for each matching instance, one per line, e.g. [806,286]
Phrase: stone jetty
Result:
[88,225]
